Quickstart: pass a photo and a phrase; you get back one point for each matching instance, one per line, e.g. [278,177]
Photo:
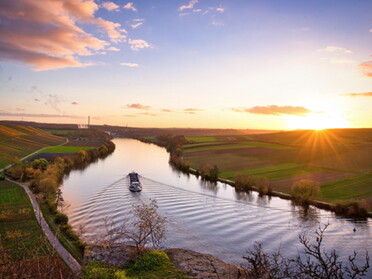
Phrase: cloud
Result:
[341,61]
[220,9]
[138,106]
[365,94]
[190,5]
[130,6]
[134,26]
[166,110]
[113,48]
[149,114]
[129,115]
[48,34]
[40,115]
[275,110]
[132,65]
[74,103]
[110,6]
[192,110]
[36,100]
[20,109]
[138,44]
[138,19]
[366,68]
[335,49]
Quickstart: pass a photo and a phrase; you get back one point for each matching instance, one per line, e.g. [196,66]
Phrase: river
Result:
[204,217]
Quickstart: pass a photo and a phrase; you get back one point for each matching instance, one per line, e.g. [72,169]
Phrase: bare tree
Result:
[314,262]
[146,227]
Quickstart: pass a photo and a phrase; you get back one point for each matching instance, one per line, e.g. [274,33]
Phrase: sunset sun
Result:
[317,121]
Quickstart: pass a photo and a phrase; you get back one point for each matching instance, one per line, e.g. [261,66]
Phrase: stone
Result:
[203,266]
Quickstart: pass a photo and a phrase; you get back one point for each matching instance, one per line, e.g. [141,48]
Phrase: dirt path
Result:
[65,255]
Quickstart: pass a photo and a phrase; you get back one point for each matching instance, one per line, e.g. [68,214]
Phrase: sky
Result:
[244,64]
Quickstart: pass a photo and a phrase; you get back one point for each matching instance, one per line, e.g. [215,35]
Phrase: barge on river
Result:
[135,184]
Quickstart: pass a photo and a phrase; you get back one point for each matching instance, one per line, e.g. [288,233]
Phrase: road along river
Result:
[201,216]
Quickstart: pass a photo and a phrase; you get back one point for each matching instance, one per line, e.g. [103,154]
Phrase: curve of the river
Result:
[201,216]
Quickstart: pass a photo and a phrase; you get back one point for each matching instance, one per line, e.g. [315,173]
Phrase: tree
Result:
[145,227]
[305,190]
[314,262]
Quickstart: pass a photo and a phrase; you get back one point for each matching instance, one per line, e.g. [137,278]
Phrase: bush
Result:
[151,260]
[61,219]
[263,186]
[244,182]
[305,190]
[97,270]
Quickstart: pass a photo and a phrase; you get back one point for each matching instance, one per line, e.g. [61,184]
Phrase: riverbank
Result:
[174,145]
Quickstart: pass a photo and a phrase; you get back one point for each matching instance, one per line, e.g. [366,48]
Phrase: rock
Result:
[117,255]
[203,266]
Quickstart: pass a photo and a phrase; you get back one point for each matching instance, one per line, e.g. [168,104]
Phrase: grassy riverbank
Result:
[24,250]
[338,160]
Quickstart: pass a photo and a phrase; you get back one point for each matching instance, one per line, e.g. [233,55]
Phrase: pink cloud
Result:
[130,6]
[41,115]
[110,6]
[138,106]
[74,103]
[366,68]
[275,110]
[47,34]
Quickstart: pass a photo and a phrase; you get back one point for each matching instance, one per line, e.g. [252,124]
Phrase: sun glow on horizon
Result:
[318,121]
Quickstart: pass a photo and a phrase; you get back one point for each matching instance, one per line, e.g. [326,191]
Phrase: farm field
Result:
[22,240]
[65,149]
[339,160]
[19,141]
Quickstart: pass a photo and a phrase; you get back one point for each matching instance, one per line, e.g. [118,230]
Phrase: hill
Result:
[19,141]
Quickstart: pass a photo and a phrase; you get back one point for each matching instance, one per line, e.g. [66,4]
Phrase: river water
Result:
[204,217]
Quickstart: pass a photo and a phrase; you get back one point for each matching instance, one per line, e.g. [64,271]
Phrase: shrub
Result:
[244,182]
[263,186]
[61,219]
[151,260]
[47,185]
[305,190]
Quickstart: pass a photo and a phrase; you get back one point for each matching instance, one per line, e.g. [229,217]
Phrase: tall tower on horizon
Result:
[88,121]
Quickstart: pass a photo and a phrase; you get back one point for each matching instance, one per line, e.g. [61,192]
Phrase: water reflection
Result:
[212,187]
[305,213]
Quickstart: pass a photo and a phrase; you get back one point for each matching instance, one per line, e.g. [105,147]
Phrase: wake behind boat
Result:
[135,184]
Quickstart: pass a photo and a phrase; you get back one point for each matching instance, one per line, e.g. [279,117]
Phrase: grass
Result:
[201,139]
[154,265]
[65,149]
[19,141]
[20,232]
[60,132]
[275,172]
[357,187]
[240,145]
[151,265]
[70,245]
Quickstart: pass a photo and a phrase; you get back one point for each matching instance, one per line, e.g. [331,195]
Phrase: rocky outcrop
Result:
[202,266]
[195,265]
[118,255]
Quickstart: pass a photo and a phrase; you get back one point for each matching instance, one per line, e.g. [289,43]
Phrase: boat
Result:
[135,184]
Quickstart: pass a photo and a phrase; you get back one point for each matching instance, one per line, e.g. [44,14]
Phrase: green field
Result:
[327,157]
[20,233]
[201,139]
[61,132]
[351,188]
[65,149]
[19,141]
